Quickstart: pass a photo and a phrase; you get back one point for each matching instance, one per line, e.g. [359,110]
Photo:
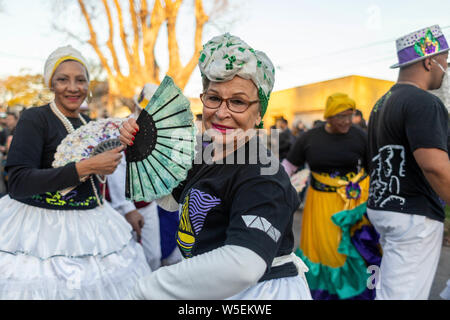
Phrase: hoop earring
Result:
[89,97]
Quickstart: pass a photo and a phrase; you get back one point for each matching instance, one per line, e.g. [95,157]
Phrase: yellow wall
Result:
[309,100]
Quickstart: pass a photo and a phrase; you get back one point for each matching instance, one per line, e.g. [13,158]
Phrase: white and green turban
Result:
[59,56]
[226,56]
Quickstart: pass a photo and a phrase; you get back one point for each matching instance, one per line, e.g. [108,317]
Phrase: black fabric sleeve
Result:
[26,177]
[426,126]
[24,182]
[259,214]
[284,143]
[365,144]
[296,154]
[448,137]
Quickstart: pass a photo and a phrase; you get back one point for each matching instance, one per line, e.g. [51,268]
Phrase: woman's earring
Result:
[89,97]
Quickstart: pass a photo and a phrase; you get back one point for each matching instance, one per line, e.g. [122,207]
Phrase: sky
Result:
[307,41]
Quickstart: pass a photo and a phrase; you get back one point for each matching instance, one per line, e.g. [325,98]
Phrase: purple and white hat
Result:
[420,45]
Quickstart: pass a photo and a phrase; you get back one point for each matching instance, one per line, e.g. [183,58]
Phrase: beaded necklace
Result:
[69,127]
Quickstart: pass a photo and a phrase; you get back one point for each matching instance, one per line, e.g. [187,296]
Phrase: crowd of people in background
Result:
[8,122]
[288,134]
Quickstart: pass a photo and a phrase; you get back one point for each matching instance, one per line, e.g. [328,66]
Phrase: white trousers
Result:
[151,235]
[411,249]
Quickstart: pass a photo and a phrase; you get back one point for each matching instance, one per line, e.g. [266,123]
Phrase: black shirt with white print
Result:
[405,119]
[237,204]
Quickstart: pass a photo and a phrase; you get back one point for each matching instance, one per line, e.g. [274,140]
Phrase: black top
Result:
[335,154]
[3,136]
[31,177]
[448,136]
[238,204]
[286,140]
[404,119]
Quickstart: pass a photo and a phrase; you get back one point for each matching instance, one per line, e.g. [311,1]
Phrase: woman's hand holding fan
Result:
[102,164]
[94,147]
[161,144]
[128,131]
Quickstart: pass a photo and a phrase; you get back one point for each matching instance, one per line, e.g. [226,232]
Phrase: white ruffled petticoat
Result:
[66,254]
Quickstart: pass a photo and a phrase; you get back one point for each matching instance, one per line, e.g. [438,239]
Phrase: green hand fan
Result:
[164,147]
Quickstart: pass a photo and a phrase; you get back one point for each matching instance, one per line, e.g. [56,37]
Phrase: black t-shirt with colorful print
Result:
[239,204]
[405,119]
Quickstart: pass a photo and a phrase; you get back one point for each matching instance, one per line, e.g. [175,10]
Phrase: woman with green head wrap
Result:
[337,241]
[235,222]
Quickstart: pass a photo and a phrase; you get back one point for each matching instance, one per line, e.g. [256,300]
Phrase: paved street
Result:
[442,273]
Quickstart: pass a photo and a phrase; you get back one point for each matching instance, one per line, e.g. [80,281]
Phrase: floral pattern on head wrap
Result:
[226,56]
[59,56]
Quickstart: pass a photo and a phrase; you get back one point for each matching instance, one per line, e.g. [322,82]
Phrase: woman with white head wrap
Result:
[59,56]
[235,229]
[54,245]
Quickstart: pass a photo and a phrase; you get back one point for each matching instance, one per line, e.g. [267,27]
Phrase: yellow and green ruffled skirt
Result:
[337,241]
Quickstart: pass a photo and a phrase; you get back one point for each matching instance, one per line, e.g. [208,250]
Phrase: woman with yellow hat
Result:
[337,242]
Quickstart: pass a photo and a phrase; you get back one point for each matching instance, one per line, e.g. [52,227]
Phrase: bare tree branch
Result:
[110,43]
[69,34]
[172,8]
[123,37]
[93,40]
[136,32]
[137,35]
[150,35]
[201,18]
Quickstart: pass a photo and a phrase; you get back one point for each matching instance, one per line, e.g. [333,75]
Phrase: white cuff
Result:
[289,167]
[168,203]
[125,208]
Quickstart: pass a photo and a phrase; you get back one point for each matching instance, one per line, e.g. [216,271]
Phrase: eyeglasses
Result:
[342,117]
[238,105]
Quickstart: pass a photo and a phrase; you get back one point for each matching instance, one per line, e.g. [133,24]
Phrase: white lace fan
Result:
[88,140]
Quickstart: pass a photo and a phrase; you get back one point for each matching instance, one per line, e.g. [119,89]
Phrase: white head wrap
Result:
[59,56]
[144,97]
[226,56]
[146,94]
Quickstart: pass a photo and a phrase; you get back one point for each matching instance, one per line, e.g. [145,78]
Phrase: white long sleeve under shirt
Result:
[218,274]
